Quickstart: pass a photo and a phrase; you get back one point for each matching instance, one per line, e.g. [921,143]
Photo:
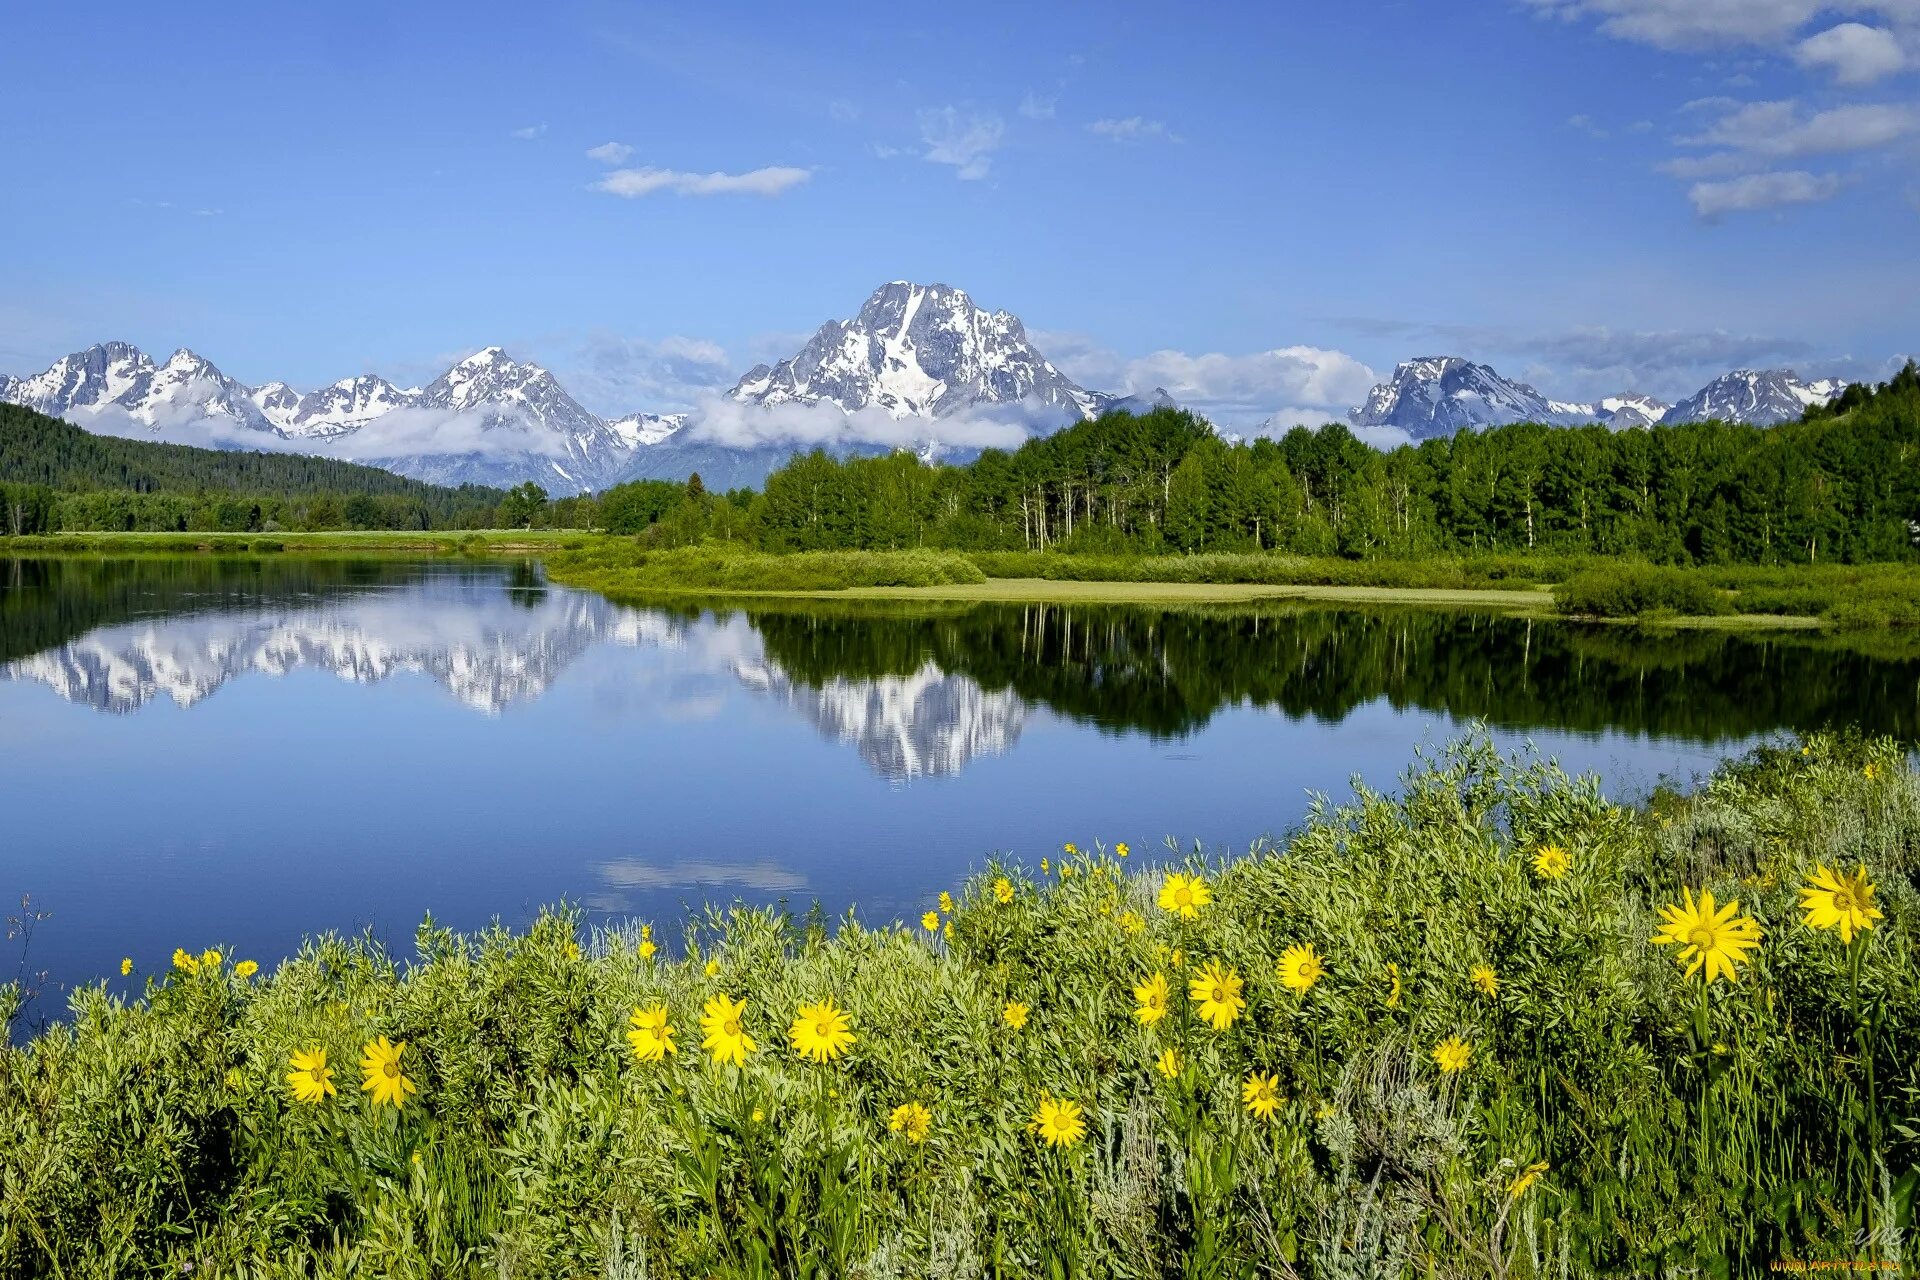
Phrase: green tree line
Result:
[56,477]
[1841,485]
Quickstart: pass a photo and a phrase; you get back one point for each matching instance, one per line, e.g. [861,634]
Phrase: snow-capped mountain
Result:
[509,421]
[923,352]
[1440,395]
[918,351]
[277,403]
[639,430]
[112,376]
[86,379]
[1762,397]
[1630,410]
[345,406]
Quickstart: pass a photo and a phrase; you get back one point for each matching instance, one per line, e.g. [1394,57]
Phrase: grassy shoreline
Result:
[1742,597]
[1614,1114]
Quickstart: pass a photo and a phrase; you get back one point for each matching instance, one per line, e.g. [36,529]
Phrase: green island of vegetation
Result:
[1493,1025]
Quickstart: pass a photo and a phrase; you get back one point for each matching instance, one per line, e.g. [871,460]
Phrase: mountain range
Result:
[919,367]
[1439,395]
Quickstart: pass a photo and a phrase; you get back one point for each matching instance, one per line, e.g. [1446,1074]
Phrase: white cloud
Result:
[530,132]
[1384,439]
[1762,191]
[614,375]
[720,419]
[842,112]
[1035,107]
[1777,129]
[634,183]
[1313,417]
[1852,52]
[1134,129]
[965,140]
[610,153]
[1585,124]
[1233,390]
[1690,24]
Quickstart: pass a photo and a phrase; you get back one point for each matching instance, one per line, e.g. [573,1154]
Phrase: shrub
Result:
[1614,1114]
[1636,590]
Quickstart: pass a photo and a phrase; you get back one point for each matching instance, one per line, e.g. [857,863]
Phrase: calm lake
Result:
[244,752]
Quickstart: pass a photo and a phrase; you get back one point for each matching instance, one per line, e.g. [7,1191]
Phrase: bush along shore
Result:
[1489,1025]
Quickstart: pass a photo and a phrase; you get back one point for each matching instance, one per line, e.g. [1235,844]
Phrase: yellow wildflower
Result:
[946,902]
[713,968]
[1121,849]
[1184,895]
[1300,968]
[1486,979]
[1706,937]
[183,962]
[126,966]
[311,1078]
[1131,923]
[245,969]
[650,1034]
[210,959]
[1261,1094]
[930,921]
[1528,1176]
[1452,1054]
[1059,1121]
[1003,889]
[912,1120]
[1168,1063]
[1550,862]
[1015,1014]
[821,1032]
[1835,900]
[725,1038]
[1217,991]
[1151,997]
[380,1065]
[1393,986]
[647,948]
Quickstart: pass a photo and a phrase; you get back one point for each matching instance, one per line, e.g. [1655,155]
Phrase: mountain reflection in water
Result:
[291,746]
[921,693]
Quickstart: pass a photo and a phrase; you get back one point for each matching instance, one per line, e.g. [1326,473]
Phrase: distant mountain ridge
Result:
[1440,395]
[923,354]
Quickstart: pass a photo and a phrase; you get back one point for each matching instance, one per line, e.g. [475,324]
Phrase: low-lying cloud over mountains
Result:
[919,367]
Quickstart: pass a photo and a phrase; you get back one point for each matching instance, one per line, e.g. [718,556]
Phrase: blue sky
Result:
[1261,206]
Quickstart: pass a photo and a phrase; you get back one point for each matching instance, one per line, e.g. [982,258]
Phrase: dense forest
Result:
[54,477]
[1842,485]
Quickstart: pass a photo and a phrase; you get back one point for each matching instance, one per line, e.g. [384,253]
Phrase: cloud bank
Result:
[632,184]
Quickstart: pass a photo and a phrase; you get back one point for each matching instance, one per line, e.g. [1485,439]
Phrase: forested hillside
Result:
[1843,485]
[55,476]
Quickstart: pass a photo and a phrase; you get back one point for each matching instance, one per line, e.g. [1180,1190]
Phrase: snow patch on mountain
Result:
[1759,396]
[918,351]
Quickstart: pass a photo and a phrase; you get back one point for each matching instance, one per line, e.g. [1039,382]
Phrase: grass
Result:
[623,567]
[1614,1116]
[1846,597]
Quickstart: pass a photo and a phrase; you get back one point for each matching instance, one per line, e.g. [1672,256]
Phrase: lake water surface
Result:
[244,752]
